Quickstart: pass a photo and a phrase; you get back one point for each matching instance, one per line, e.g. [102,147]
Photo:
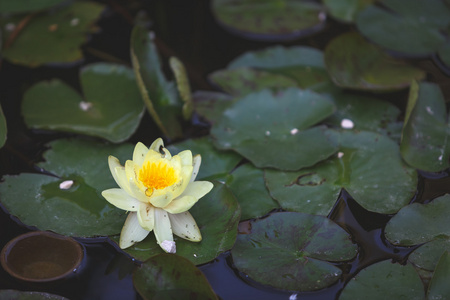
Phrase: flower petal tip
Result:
[169,246]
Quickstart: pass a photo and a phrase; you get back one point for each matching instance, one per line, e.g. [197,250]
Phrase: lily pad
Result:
[427,256]
[425,141]
[346,10]
[368,166]
[245,80]
[176,278]
[211,105]
[439,288]
[293,251]
[261,124]
[21,295]
[354,63]
[69,204]
[215,163]
[22,6]
[385,280]
[160,95]
[420,223]
[217,215]
[53,37]
[444,54]
[270,20]
[3,129]
[110,108]
[417,29]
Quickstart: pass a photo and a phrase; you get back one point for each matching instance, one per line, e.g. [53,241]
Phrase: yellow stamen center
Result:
[156,176]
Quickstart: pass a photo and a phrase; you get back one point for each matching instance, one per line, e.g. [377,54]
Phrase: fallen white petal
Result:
[347,124]
[65,185]
[169,246]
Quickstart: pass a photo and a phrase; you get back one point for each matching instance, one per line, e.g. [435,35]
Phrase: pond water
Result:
[188,29]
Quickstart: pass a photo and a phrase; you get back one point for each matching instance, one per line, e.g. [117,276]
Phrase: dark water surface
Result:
[187,29]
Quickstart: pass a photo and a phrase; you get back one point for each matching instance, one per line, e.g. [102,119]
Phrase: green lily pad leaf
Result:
[247,184]
[425,141]
[444,54]
[3,129]
[53,37]
[354,63]
[21,295]
[385,280]
[211,105]
[177,278]
[439,288]
[364,112]
[110,108]
[215,163]
[70,204]
[346,10]
[368,166]
[22,6]
[260,124]
[245,80]
[427,256]
[413,29]
[270,19]
[217,215]
[420,223]
[160,95]
[275,254]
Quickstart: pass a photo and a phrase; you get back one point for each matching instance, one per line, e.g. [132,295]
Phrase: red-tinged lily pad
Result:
[293,251]
[399,25]
[270,19]
[160,95]
[260,125]
[439,287]
[3,129]
[217,215]
[21,295]
[167,276]
[52,37]
[368,166]
[70,202]
[354,63]
[110,108]
[385,280]
[425,141]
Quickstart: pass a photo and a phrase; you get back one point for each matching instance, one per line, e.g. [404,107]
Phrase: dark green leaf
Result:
[292,251]
[110,108]
[168,276]
[427,256]
[3,129]
[346,10]
[439,289]
[211,105]
[354,63]
[22,6]
[160,96]
[53,37]
[274,130]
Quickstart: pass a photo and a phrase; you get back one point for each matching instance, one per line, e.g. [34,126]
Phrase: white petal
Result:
[184,226]
[121,199]
[181,204]
[132,232]
[190,196]
[113,164]
[163,229]
[139,153]
[157,144]
[197,161]
[122,180]
[146,216]
[169,246]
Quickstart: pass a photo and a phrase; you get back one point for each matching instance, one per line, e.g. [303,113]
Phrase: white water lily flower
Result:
[157,189]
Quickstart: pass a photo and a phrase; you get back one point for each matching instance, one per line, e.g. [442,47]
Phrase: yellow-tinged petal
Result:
[186,157]
[137,189]
[121,199]
[140,150]
[196,162]
[161,200]
[194,191]
[184,226]
[185,174]
[163,229]
[146,216]
[132,232]
[157,144]
[114,163]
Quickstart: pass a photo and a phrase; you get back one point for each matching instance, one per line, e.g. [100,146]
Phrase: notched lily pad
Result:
[111,107]
[217,214]
[52,37]
[354,63]
[177,278]
[293,251]
[385,280]
[71,203]
[271,19]
[262,124]
[368,166]
[426,134]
